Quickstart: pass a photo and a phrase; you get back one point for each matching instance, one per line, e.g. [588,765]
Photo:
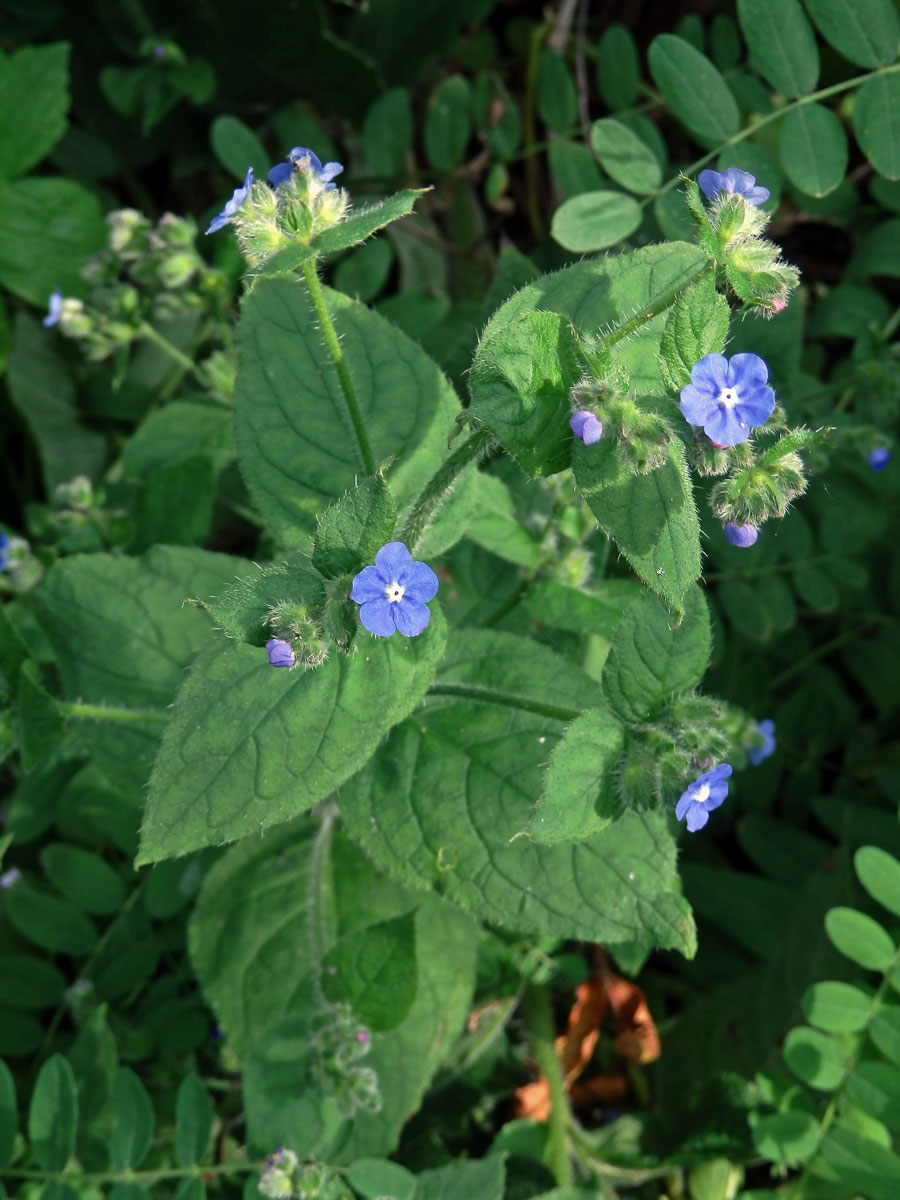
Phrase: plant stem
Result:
[196,1172]
[539,1017]
[146,330]
[742,134]
[442,480]
[104,712]
[332,341]
[489,695]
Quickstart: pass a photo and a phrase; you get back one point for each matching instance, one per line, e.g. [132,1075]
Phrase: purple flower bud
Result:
[740,535]
[587,426]
[280,653]
[10,878]
[879,458]
[766,729]
[54,309]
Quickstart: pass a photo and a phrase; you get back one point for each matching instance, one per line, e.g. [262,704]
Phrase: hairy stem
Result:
[146,330]
[489,695]
[105,712]
[439,484]
[539,1017]
[332,341]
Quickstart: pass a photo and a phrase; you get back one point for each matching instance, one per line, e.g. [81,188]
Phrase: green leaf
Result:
[876,123]
[693,88]
[813,149]
[123,635]
[837,1007]
[444,801]
[625,157]
[131,1130]
[598,611]
[652,518]
[29,982]
[859,938]
[496,527]
[292,433]
[43,391]
[48,228]
[884,1031]
[48,921]
[364,273]
[269,911]
[242,610]
[387,133]
[866,32]
[375,1178]
[878,252]
[557,100]
[194,1113]
[353,529]
[573,168]
[53,1114]
[364,221]
[237,147]
[249,747]
[83,877]
[857,1164]
[34,87]
[879,873]
[653,658]
[39,718]
[9,1116]
[175,505]
[580,797]
[816,1058]
[605,294]
[520,382]
[697,325]
[448,123]
[463,1181]
[595,221]
[374,971]
[782,44]
[786,1137]
[618,67]
[875,1088]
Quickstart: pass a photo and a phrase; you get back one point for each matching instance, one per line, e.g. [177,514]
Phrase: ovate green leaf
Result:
[53,1114]
[782,44]
[876,123]
[813,149]
[866,32]
[693,88]
[34,93]
[625,157]
[595,221]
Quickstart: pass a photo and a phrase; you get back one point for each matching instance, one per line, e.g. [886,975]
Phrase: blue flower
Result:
[280,652]
[728,397]
[587,426]
[740,535]
[878,459]
[54,309]
[758,754]
[4,550]
[707,792]
[393,594]
[734,183]
[232,205]
[300,157]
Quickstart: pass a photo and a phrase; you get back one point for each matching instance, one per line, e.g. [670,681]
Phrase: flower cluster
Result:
[298,202]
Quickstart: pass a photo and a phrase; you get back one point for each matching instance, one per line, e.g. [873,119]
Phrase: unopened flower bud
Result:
[740,535]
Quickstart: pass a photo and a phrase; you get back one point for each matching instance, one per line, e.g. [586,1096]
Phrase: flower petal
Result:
[421,583]
[697,818]
[756,408]
[376,616]
[696,406]
[391,560]
[710,183]
[724,427]
[280,173]
[410,616]
[710,373]
[686,801]
[330,170]
[368,585]
[747,371]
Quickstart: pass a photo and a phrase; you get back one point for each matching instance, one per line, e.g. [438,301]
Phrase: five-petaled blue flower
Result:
[740,535]
[232,205]
[728,397]
[758,754]
[394,593]
[707,792]
[734,182]
[878,459]
[307,160]
[54,308]
[281,653]
[587,426]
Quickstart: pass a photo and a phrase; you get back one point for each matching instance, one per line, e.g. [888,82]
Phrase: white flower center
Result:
[728,398]
[702,794]
[394,592]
